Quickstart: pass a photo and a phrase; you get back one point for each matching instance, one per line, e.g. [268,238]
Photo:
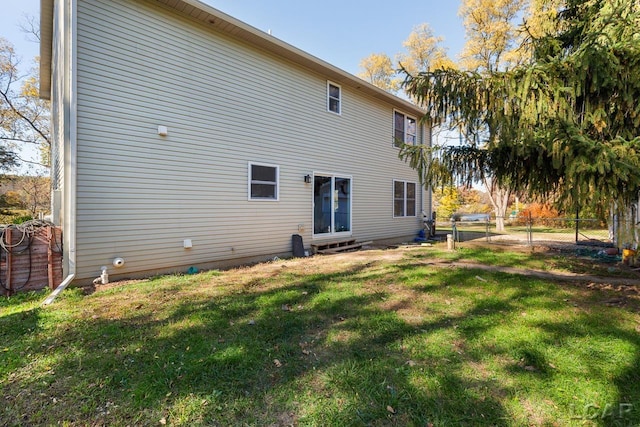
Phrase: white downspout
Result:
[70,203]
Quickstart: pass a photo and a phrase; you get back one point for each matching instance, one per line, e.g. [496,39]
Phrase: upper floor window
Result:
[263,181]
[404,129]
[334,98]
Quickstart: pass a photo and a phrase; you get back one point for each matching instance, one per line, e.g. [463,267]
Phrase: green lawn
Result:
[370,338]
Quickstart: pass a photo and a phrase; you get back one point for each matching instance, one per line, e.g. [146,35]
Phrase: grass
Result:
[369,338]
[586,261]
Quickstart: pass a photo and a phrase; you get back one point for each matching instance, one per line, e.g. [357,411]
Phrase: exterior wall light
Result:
[307,179]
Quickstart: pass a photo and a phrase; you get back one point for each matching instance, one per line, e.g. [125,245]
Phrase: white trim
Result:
[329,84]
[70,169]
[250,179]
[404,197]
[333,233]
[73,135]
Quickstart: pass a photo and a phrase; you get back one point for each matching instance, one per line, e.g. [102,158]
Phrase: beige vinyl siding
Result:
[225,104]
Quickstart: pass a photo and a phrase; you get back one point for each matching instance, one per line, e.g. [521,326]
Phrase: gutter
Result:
[70,155]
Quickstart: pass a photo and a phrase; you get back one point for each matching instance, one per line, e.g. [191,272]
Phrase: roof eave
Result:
[46,46]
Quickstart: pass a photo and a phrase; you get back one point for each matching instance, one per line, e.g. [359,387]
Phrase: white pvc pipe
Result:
[58,290]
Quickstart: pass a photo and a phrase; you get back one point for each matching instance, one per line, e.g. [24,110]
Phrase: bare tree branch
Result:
[30,25]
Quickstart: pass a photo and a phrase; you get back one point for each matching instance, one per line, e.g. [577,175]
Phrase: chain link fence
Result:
[544,231]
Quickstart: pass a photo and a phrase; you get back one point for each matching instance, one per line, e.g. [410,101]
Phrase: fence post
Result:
[487,232]
[9,262]
[530,229]
[451,243]
[454,231]
[50,235]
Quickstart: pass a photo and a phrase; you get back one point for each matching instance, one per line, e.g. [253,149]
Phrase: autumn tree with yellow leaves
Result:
[378,70]
[492,34]
[24,117]
[423,51]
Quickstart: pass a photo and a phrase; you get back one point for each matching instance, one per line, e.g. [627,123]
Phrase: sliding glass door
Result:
[331,205]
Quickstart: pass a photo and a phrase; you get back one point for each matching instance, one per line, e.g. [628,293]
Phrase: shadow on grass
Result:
[482,255]
[317,351]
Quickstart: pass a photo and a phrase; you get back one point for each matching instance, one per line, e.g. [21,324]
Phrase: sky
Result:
[341,32]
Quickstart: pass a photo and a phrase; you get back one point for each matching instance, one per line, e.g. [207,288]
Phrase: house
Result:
[183,137]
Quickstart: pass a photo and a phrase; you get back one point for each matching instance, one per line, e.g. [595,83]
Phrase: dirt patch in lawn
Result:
[253,276]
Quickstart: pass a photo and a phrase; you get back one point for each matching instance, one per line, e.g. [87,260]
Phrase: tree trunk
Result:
[499,198]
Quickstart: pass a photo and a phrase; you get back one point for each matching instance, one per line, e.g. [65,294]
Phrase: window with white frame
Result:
[404,129]
[404,198]
[263,181]
[334,98]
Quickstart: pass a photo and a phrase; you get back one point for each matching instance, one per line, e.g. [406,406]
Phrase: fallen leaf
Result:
[277,363]
[163,421]
[390,409]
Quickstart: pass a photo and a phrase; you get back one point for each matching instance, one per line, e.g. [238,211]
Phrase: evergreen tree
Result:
[564,123]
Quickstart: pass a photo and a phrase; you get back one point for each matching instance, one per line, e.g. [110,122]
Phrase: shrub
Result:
[540,213]
[20,219]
